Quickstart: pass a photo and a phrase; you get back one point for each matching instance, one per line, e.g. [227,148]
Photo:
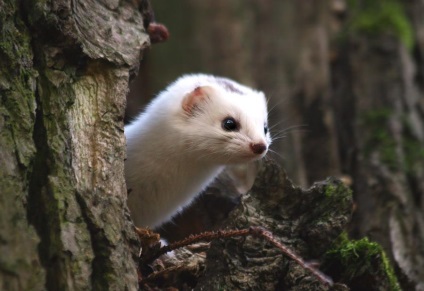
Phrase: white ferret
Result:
[185,138]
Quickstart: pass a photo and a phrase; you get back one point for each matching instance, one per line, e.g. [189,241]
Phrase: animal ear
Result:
[195,98]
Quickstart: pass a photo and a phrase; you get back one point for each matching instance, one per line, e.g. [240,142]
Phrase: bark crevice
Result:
[101,264]
[38,215]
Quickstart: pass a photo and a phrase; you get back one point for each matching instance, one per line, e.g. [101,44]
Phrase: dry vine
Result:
[254,231]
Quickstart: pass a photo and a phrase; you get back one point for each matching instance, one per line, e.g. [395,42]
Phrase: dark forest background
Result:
[345,86]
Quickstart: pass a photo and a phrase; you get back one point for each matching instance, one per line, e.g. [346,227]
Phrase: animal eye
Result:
[229,124]
[266,129]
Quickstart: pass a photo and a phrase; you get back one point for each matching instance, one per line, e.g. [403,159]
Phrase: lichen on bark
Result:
[19,264]
[64,78]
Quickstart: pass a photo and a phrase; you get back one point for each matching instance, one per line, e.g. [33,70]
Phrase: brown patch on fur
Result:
[229,86]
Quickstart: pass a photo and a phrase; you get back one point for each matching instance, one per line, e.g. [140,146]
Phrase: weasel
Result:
[185,138]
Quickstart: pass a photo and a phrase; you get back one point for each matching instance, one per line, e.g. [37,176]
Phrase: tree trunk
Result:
[380,125]
[65,68]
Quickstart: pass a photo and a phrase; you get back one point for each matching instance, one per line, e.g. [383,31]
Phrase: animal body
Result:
[185,137]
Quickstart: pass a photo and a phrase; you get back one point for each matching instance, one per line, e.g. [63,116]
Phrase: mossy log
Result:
[309,222]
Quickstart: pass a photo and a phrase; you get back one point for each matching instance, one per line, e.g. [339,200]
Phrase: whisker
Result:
[278,103]
[295,127]
[278,137]
[277,124]
[277,154]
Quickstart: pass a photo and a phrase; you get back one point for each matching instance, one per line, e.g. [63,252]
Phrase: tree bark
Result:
[307,222]
[275,204]
[20,267]
[380,125]
[65,72]
[388,169]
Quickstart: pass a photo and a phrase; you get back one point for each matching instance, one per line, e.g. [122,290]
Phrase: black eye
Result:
[266,129]
[229,124]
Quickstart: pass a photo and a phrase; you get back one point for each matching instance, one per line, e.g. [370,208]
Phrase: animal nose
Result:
[258,148]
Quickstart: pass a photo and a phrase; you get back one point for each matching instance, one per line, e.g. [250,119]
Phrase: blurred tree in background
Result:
[345,83]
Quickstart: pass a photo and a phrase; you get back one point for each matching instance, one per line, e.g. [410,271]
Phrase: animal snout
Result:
[258,148]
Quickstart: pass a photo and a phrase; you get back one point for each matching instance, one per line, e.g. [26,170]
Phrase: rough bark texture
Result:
[380,115]
[65,72]
[310,222]
[20,267]
[388,165]
[305,220]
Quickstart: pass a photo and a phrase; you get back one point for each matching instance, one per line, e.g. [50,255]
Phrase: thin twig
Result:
[255,231]
[192,239]
[159,274]
[263,233]
[205,236]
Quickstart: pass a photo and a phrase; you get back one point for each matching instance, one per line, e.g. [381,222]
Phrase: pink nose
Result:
[258,148]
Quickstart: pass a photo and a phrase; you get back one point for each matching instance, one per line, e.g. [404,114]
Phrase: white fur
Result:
[171,156]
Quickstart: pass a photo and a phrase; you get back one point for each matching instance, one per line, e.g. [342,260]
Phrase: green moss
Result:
[379,138]
[334,188]
[355,255]
[15,45]
[388,270]
[21,264]
[374,17]
[17,78]
[360,264]
[329,191]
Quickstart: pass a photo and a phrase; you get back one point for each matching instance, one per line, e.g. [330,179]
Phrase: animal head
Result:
[227,122]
